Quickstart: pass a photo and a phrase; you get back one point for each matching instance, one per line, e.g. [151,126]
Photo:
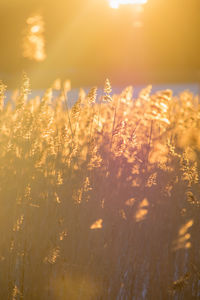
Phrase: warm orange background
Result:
[88,41]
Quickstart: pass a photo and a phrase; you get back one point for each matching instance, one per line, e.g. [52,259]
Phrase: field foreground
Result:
[100,201]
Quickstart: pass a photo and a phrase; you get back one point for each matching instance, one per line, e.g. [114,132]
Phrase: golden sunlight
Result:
[183,240]
[97,224]
[116,3]
[142,210]
[99,178]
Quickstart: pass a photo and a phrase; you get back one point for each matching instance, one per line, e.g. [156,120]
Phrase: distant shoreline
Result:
[73,94]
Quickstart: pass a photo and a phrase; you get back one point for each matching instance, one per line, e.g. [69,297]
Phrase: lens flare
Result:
[116,3]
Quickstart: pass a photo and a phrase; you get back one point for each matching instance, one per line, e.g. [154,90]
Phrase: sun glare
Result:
[116,3]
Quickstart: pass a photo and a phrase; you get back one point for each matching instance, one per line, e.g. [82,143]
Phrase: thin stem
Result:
[114,121]
[149,143]
[99,110]
[66,104]
[91,125]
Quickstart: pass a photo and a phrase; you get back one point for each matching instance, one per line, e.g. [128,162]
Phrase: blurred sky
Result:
[88,41]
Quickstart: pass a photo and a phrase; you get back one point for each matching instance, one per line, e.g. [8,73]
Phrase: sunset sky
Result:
[88,41]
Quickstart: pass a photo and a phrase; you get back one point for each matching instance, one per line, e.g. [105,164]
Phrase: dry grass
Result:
[100,201]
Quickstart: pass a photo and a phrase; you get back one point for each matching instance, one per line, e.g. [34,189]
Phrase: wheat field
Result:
[101,200]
